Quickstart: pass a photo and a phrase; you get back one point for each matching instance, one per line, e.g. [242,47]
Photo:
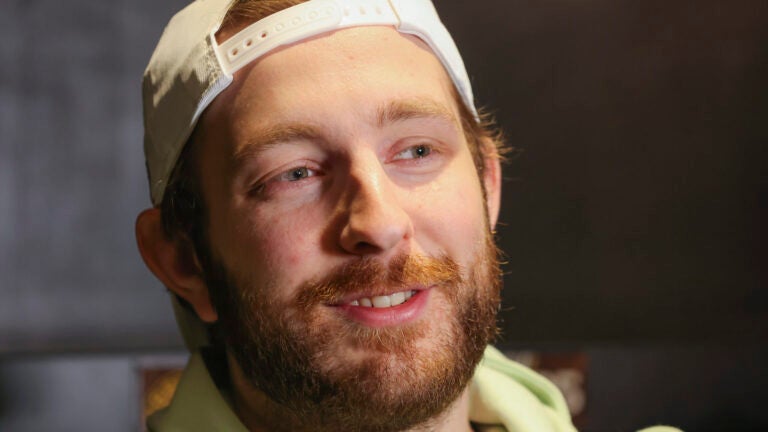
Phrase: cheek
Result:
[452,219]
[275,251]
[287,242]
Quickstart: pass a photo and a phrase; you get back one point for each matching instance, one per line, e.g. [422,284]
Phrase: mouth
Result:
[383,301]
[385,310]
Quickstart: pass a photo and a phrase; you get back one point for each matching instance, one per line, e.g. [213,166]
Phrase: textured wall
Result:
[637,210]
[72,177]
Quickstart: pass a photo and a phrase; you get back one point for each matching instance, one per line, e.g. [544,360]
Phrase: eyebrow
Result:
[271,136]
[391,112]
[406,109]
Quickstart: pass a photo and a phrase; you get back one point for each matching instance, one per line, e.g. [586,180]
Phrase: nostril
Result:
[365,248]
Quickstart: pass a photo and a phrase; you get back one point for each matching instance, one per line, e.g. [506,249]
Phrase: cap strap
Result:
[300,22]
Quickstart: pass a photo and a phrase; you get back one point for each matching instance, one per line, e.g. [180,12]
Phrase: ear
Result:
[174,262]
[492,181]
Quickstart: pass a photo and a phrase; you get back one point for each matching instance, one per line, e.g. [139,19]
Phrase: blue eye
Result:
[287,181]
[415,152]
[297,174]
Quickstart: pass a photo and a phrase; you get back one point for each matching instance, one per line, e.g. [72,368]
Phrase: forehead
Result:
[344,76]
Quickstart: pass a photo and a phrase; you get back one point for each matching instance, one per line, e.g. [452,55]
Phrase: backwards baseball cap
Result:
[189,68]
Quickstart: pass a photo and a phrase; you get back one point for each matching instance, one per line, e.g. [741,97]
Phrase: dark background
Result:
[633,219]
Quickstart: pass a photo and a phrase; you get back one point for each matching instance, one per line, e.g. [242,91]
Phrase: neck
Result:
[259,413]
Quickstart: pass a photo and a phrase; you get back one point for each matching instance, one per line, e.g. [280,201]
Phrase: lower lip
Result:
[403,313]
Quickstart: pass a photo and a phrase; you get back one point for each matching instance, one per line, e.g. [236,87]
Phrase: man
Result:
[324,195]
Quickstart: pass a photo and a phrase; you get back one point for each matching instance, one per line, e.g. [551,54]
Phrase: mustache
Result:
[370,276]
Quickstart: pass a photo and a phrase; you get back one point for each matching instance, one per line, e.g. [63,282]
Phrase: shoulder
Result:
[507,393]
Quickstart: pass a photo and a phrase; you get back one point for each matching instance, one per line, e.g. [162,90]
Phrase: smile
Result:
[386,310]
[385,301]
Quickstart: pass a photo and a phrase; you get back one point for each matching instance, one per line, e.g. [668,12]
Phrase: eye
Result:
[286,181]
[296,174]
[414,152]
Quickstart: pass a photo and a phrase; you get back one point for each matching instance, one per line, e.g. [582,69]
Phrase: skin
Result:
[343,146]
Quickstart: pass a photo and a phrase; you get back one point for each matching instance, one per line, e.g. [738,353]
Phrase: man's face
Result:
[337,179]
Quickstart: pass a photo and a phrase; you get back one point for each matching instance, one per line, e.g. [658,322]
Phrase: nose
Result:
[375,221]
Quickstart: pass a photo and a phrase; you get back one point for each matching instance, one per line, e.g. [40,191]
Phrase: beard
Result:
[321,372]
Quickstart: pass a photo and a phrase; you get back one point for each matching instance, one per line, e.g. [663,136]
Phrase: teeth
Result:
[397,298]
[383,301]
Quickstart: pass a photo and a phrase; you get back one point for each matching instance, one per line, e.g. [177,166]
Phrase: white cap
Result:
[189,68]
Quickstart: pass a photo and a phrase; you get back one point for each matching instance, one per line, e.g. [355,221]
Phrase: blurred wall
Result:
[637,209]
[72,176]
[633,217]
